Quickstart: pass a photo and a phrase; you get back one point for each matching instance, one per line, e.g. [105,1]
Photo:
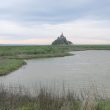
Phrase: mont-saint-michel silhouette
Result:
[61,40]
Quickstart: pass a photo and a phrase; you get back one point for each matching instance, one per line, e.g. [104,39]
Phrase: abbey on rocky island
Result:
[61,41]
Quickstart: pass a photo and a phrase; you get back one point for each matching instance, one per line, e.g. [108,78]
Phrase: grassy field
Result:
[12,57]
[8,65]
[39,50]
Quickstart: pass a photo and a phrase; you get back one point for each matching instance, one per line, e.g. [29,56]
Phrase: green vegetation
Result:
[21,99]
[32,51]
[12,57]
[9,65]
[37,51]
[91,47]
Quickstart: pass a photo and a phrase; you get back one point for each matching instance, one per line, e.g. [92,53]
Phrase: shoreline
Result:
[17,63]
[12,57]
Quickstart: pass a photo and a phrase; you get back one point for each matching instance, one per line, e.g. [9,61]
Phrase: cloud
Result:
[52,11]
[27,41]
[32,21]
[81,30]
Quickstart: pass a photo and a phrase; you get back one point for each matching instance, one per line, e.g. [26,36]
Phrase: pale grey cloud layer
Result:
[83,21]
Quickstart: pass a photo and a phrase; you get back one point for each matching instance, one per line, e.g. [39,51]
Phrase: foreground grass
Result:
[21,99]
[10,54]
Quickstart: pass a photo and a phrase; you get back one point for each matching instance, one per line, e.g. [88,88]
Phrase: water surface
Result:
[80,71]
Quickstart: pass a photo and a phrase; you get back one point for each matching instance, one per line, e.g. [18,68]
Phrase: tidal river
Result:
[81,71]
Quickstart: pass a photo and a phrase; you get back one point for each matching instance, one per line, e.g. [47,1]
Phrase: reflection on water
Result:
[80,71]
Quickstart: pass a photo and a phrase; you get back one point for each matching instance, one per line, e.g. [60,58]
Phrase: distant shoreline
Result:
[12,57]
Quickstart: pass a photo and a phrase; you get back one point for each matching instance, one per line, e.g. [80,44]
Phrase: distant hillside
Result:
[61,41]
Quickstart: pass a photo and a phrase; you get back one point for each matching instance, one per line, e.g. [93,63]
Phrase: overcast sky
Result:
[42,21]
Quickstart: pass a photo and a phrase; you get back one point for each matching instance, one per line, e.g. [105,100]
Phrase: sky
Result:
[42,21]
